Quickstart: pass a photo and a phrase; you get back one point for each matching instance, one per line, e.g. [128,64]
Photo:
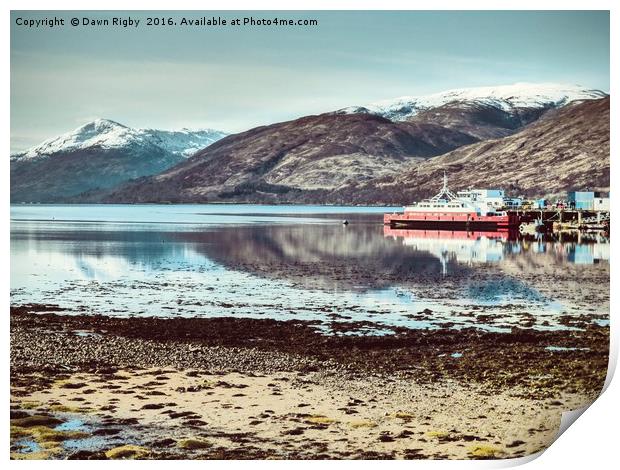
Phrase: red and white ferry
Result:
[446,210]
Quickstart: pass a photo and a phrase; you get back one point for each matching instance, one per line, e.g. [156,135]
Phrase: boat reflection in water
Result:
[458,246]
[465,247]
[575,247]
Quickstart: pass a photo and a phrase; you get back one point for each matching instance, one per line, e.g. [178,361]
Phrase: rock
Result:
[36,420]
[168,442]
[153,406]
[192,444]
[73,385]
[16,414]
[127,452]
[87,455]
[484,452]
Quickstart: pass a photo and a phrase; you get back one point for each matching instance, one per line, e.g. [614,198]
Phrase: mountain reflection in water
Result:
[328,256]
[285,265]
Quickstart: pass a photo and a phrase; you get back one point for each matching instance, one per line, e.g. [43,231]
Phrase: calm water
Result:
[296,262]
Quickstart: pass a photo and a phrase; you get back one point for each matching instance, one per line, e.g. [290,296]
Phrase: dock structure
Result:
[558,219]
[492,210]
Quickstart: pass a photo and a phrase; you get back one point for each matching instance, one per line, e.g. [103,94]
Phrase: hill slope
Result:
[100,154]
[312,153]
[566,149]
[365,159]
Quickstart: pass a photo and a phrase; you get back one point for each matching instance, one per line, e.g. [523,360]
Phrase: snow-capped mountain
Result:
[106,161]
[507,98]
[98,156]
[107,134]
[366,159]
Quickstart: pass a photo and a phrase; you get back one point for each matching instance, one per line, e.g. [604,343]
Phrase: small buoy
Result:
[345,222]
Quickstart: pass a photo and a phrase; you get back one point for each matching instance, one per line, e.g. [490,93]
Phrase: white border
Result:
[589,444]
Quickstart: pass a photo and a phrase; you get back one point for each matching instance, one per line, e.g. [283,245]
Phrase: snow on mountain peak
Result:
[107,134]
[185,142]
[100,125]
[505,97]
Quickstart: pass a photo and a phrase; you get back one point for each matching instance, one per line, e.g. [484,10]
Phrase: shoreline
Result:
[218,203]
[415,394]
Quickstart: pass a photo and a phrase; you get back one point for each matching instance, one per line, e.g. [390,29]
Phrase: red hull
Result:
[455,220]
[443,234]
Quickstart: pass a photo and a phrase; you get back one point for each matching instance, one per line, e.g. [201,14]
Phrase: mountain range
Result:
[568,148]
[99,155]
[386,152]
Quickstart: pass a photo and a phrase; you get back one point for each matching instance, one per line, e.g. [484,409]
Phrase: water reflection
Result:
[306,265]
[328,256]
[453,246]
[492,247]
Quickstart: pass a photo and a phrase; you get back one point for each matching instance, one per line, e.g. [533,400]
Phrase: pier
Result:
[491,210]
[561,219]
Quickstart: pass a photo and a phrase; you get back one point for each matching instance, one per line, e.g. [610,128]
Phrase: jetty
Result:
[493,210]
[562,219]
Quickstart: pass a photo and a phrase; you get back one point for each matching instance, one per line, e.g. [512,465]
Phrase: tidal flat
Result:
[223,388]
[237,332]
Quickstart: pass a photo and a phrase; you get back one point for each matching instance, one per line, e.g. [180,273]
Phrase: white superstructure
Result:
[490,197]
[475,201]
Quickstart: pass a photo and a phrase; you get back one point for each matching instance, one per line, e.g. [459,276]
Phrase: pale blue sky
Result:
[235,78]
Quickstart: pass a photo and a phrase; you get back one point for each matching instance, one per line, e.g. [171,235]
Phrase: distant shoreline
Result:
[190,204]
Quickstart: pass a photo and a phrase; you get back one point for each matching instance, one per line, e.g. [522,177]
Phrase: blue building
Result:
[581,200]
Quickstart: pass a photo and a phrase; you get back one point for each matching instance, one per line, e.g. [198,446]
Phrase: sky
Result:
[233,78]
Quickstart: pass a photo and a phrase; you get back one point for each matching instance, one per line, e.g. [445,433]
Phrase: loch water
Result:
[300,263]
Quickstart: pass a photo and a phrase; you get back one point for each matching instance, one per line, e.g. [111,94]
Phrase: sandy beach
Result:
[88,386]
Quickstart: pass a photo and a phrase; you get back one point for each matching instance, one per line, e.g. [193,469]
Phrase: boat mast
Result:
[445,192]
